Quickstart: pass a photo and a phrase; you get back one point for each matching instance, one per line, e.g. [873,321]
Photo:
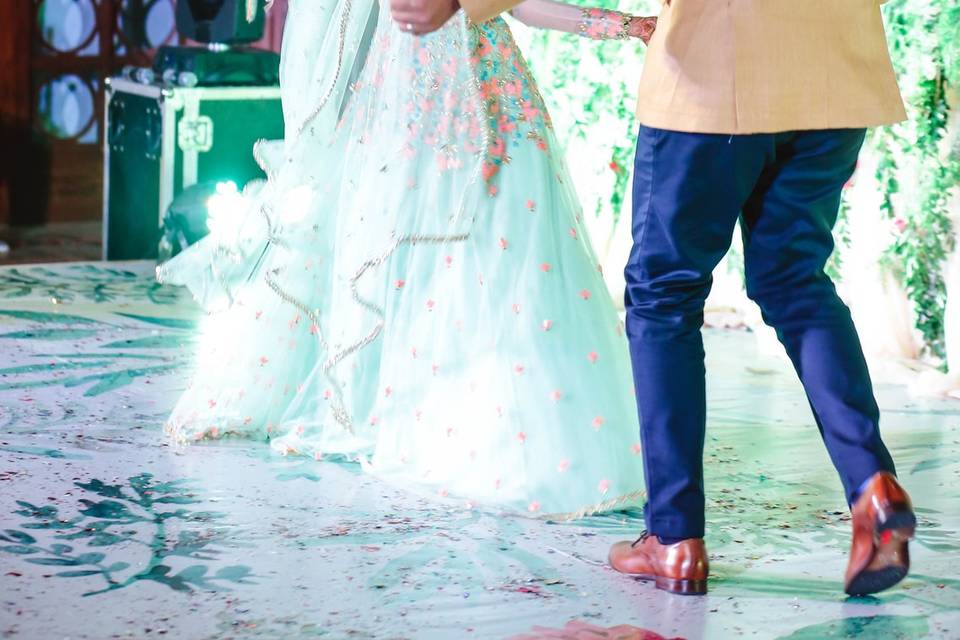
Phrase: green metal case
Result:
[161,140]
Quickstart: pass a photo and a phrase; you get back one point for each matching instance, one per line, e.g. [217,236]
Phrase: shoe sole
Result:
[674,586]
[891,556]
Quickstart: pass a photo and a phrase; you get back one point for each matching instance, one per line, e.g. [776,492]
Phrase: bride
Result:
[413,286]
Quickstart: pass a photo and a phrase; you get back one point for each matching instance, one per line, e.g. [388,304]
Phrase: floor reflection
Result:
[106,530]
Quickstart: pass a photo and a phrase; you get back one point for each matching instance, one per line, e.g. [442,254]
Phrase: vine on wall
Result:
[918,175]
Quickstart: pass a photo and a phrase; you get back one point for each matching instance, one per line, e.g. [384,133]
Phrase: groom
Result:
[752,110]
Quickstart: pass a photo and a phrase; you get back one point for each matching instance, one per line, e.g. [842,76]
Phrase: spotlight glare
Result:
[223,209]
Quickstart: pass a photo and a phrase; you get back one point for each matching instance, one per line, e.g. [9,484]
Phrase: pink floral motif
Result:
[585,294]
[572,232]
[545,267]
[531,205]
[533,507]
[514,109]
[593,357]
[603,486]
[597,422]
[518,369]
[264,360]
[556,395]
[636,449]
[547,325]
[484,49]
[505,125]
[516,308]
[430,304]
[503,243]
[563,465]
[522,437]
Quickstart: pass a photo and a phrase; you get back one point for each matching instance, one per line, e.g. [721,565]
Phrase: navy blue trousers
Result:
[689,191]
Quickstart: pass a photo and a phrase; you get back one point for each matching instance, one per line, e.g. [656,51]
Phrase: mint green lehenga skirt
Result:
[413,286]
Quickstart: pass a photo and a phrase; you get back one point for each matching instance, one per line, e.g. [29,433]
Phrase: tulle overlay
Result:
[413,287]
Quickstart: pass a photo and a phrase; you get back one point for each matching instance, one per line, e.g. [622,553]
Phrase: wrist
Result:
[642,27]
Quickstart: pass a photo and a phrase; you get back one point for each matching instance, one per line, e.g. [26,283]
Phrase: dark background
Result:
[46,176]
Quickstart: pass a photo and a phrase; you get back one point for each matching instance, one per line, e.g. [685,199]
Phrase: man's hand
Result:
[422,16]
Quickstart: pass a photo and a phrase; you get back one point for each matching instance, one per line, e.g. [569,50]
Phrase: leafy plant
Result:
[923,37]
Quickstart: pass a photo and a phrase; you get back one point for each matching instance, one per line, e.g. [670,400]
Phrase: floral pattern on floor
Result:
[107,530]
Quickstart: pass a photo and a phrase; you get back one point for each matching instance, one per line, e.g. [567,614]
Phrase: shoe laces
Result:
[643,536]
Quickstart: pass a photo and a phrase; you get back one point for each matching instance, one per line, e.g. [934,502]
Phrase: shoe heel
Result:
[891,556]
[899,519]
[682,587]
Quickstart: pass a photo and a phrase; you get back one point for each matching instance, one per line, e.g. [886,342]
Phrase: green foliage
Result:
[916,171]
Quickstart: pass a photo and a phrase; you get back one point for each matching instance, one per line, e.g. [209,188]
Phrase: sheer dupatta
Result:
[386,137]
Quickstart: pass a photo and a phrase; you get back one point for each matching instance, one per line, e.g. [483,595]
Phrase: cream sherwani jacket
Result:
[761,66]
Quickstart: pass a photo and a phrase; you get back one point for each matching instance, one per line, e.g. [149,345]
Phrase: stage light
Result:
[186,219]
[221,22]
[223,27]
[224,209]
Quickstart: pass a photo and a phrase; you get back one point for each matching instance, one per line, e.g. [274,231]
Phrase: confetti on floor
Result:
[110,532]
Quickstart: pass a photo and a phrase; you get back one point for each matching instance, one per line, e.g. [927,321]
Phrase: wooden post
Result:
[16,102]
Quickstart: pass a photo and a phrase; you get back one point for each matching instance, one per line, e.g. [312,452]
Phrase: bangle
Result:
[600,24]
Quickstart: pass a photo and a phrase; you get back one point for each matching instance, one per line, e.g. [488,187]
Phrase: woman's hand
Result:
[642,27]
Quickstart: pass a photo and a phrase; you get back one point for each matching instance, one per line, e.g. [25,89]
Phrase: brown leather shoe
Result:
[883,523]
[680,568]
